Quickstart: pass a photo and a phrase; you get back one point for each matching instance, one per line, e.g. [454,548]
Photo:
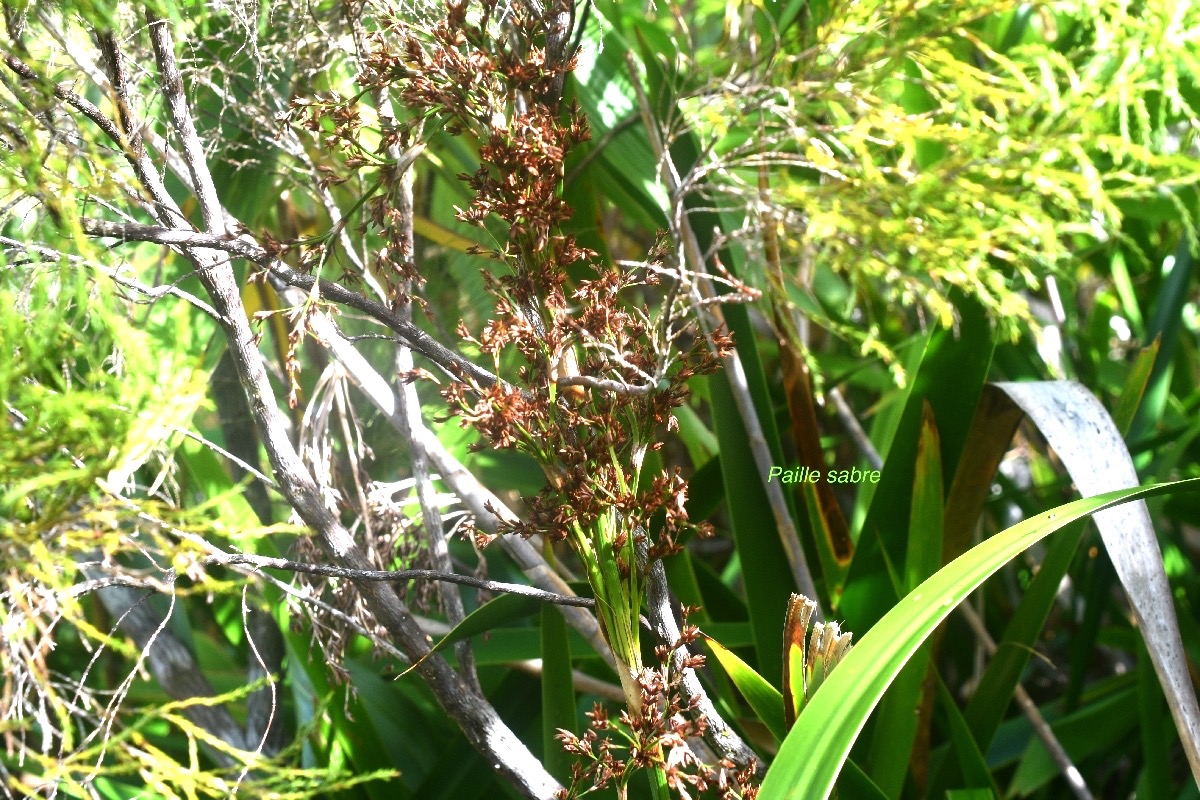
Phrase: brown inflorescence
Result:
[589,375]
[494,87]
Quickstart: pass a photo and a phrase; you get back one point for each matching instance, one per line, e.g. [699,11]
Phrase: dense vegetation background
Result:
[563,298]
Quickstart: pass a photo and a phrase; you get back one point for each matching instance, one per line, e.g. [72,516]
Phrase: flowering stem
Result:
[617,601]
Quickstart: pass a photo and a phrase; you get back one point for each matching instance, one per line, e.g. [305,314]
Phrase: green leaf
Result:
[966,746]
[994,695]
[857,784]
[1099,727]
[558,693]
[492,614]
[816,748]
[904,707]
[1154,724]
[951,377]
[764,698]
[754,530]
[1165,325]
[1135,386]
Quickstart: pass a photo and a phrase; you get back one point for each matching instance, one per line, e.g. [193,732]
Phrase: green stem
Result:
[658,784]
[616,605]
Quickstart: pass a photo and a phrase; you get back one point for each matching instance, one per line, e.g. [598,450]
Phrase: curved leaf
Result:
[814,751]
[1090,446]
[492,614]
[764,698]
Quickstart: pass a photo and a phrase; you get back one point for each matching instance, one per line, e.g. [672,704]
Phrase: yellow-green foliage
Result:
[71,392]
[89,399]
[973,145]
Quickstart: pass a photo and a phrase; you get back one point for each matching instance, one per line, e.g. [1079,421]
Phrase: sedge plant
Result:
[587,370]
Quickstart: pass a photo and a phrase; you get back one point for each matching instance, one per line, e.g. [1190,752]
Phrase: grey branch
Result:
[666,629]
[476,717]
[396,576]
[245,247]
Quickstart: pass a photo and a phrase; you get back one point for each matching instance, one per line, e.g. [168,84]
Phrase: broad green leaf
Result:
[857,784]
[905,707]
[971,794]
[759,549]
[951,376]
[1154,728]
[813,752]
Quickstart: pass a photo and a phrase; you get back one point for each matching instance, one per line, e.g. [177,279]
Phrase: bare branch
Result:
[395,576]
[662,620]
[164,207]
[244,246]
[1029,708]
[473,714]
[171,83]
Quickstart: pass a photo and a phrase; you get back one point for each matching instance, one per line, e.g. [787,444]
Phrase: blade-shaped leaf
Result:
[1135,386]
[491,614]
[1089,445]
[764,699]
[831,534]
[558,694]
[815,749]
[905,710]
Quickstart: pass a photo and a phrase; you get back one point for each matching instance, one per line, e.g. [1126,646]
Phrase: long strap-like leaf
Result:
[1089,445]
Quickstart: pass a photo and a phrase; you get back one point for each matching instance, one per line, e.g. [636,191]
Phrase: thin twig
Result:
[244,246]
[397,576]
[850,422]
[171,662]
[1029,708]
[152,292]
